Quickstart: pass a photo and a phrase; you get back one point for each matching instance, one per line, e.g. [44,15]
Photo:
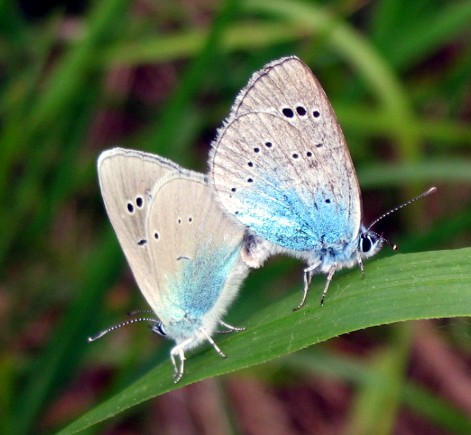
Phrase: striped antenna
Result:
[422,195]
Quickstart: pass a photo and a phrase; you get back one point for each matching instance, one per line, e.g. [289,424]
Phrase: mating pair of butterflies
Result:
[281,181]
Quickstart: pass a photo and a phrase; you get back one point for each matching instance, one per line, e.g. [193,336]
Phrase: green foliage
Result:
[403,287]
[397,73]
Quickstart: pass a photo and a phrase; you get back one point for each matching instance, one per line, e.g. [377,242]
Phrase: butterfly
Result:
[280,165]
[183,250]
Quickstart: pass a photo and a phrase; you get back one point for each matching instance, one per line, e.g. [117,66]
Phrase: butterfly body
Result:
[281,167]
[183,250]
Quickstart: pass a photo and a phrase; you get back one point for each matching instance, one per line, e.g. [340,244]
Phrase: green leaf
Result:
[402,287]
[424,30]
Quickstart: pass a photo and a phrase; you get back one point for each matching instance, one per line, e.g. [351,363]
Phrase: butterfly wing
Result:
[126,180]
[281,165]
[195,249]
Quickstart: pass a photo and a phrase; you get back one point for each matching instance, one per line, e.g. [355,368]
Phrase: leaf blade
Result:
[398,288]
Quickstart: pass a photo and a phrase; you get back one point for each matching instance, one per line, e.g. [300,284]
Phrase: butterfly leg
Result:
[360,263]
[308,273]
[327,283]
[178,351]
[211,341]
[229,328]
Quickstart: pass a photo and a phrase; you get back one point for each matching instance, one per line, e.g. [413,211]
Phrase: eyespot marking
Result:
[130,207]
[316,114]
[301,111]
[287,112]
[139,201]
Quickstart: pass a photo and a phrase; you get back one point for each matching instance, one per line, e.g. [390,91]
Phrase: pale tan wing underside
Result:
[126,181]
[289,162]
[288,90]
[194,246]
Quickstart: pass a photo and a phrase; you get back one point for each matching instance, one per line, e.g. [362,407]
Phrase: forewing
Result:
[126,181]
[273,181]
[285,104]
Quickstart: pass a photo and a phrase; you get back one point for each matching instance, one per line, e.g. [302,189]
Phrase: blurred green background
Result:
[160,76]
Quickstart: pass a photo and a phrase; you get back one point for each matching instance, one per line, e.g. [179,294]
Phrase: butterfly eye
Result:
[365,243]
[158,328]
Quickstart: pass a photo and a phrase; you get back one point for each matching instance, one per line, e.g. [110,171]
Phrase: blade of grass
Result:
[164,136]
[430,28]
[12,25]
[426,171]
[64,181]
[402,287]
[414,397]
[373,121]
[64,84]
[61,357]
[239,36]
[376,404]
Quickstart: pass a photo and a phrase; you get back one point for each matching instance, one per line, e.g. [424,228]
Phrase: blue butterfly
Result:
[183,250]
[280,165]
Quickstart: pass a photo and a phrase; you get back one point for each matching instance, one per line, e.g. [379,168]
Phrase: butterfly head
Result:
[369,242]
[158,328]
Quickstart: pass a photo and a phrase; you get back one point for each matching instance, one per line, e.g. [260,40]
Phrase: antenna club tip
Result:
[431,190]
[395,247]
[97,336]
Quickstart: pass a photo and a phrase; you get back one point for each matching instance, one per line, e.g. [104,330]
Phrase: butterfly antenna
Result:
[422,195]
[120,325]
[135,312]
[384,239]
